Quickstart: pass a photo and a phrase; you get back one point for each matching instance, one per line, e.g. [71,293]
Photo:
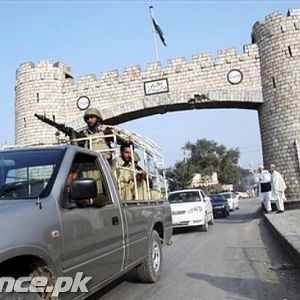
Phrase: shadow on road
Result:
[131,277]
[284,283]
[277,252]
[185,230]
[237,217]
[237,284]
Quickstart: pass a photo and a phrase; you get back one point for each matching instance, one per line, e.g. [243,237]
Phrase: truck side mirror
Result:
[83,188]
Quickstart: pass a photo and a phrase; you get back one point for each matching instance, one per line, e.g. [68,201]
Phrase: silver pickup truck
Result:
[52,226]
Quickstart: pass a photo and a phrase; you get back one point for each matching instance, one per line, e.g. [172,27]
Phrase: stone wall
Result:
[278,40]
[39,89]
[48,88]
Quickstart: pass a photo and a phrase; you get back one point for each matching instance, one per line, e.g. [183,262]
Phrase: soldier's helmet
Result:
[92,111]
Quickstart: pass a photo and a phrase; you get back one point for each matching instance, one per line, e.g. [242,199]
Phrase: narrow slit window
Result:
[274,83]
[67,76]
[290,51]
[37,97]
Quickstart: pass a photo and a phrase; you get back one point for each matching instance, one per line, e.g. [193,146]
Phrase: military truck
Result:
[53,226]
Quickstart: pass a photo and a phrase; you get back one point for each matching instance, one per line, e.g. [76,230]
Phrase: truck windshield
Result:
[184,197]
[28,173]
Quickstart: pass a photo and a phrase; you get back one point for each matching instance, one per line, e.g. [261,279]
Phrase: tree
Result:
[229,171]
[206,157]
[180,173]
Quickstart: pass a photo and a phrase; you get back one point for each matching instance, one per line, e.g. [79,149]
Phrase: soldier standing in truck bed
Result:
[93,119]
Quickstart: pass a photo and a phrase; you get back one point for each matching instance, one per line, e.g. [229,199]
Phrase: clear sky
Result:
[96,36]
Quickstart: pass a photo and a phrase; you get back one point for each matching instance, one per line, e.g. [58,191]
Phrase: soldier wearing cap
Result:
[93,119]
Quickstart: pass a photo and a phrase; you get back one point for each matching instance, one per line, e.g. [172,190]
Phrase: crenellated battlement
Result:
[276,23]
[46,69]
[43,64]
[86,78]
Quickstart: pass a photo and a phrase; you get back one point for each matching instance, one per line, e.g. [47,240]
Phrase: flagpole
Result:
[153,31]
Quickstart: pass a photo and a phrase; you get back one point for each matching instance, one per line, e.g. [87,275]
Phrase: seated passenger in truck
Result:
[123,169]
[86,170]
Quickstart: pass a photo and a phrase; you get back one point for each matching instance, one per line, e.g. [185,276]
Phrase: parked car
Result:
[191,207]
[233,200]
[242,194]
[220,205]
[49,229]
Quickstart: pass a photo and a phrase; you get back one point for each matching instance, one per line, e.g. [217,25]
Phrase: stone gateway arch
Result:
[265,77]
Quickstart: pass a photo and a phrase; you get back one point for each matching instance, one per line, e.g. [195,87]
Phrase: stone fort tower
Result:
[39,89]
[265,78]
[278,40]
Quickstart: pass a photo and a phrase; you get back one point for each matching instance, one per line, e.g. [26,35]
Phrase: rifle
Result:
[68,131]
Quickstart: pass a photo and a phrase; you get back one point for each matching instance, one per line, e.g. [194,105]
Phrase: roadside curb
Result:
[284,240]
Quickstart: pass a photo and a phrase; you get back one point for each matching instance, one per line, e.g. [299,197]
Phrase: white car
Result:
[242,194]
[191,208]
[232,199]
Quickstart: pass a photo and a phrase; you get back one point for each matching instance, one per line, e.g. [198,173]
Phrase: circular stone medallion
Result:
[83,102]
[235,76]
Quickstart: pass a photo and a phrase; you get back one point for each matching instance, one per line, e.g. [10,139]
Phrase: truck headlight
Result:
[194,209]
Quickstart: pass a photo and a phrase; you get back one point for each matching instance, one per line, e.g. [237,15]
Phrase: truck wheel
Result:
[149,270]
[18,296]
[212,220]
[44,271]
[38,270]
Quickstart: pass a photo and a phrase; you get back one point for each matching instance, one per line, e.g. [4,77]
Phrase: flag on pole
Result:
[157,28]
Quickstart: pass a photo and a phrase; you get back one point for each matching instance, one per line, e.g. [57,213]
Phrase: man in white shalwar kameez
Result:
[277,187]
[264,188]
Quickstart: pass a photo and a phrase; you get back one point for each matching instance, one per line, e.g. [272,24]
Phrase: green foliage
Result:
[206,157]
[230,172]
[212,189]
[180,173]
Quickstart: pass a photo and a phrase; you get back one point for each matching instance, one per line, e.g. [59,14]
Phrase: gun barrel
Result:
[69,131]
[38,116]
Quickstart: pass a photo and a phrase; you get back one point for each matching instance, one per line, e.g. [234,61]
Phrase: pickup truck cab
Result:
[54,227]
[191,208]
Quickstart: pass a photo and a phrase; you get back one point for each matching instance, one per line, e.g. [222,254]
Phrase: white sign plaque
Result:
[156,86]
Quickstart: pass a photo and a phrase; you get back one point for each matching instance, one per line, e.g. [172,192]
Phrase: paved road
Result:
[236,259]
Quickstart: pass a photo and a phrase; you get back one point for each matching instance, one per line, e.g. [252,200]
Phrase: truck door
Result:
[92,233]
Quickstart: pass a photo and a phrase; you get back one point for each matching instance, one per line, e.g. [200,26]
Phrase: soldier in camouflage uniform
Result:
[141,179]
[93,119]
[123,170]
